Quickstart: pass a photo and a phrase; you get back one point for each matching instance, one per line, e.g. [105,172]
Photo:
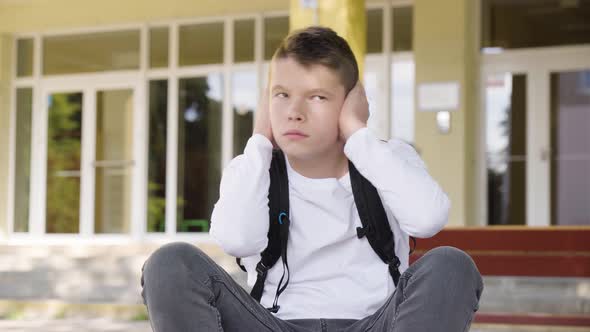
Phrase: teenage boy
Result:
[315,111]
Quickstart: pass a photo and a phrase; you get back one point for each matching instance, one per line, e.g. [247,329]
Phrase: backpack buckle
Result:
[261,269]
[395,262]
[362,231]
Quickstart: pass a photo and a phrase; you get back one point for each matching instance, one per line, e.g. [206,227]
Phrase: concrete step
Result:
[563,296]
[95,274]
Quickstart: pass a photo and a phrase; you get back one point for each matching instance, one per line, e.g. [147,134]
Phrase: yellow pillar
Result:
[445,50]
[5,70]
[347,17]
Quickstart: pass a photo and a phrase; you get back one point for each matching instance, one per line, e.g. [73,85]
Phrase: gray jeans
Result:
[184,290]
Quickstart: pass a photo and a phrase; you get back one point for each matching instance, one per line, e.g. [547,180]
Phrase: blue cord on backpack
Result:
[280,219]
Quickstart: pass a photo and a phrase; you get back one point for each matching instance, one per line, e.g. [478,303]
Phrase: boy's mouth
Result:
[295,134]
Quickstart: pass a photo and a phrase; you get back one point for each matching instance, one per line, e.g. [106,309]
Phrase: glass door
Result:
[113,161]
[505,148]
[65,112]
[88,184]
[536,130]
[570,147]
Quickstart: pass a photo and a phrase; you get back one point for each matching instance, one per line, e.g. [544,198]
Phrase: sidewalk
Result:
[106,325]
[77,325]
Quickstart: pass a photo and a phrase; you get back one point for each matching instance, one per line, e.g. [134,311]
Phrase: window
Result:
[157,148]
[159,47]
[107,187]
[244,40]
[199,150]
[24,55]
[375,30]
[113,161]
[24,110]
[91,52]
[275,30]
[201,44]
[63,163]
[534,23]
[506,148]
[402,28]
[244,100]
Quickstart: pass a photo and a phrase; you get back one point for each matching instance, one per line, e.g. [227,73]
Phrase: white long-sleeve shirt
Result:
[334,274]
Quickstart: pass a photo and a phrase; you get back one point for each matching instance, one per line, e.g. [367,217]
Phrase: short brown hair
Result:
[322,46]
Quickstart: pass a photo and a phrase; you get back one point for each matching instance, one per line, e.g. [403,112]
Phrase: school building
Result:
[117,118]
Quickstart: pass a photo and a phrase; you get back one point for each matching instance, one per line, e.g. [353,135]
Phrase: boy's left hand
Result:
[355,112]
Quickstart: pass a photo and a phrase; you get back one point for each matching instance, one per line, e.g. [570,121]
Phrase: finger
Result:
[264,94]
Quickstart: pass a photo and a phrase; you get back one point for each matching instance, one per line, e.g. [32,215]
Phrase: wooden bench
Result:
[521,251]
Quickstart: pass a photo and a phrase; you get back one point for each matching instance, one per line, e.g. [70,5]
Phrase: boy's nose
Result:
[295,112]
[295,117]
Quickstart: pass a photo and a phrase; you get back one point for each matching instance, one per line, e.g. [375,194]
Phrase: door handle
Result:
[545,154]
[113,163]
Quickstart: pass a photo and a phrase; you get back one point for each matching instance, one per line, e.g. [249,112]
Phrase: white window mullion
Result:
[172,133]
[139,166]
[38,167]
[87,169]
[37,57]
[38,163]
[387,49]
[259,51]
[140,142]
[143,49]
[10,213]
[482,167]
[538,176]
[227,116]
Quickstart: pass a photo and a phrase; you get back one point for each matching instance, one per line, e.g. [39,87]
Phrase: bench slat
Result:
[519,251]
[512,239]
[532,319]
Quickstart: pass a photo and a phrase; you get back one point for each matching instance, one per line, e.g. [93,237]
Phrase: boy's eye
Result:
[318,97]
[281,95]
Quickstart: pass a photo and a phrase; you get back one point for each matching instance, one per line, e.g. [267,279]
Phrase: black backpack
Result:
[370,208]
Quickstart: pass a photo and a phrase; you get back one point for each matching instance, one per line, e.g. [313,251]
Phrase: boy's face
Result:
[305,104]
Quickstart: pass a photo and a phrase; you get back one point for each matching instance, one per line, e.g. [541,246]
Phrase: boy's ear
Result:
[354,87]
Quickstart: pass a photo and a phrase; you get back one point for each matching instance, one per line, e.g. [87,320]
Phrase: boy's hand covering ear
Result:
[262,117]
[355,112]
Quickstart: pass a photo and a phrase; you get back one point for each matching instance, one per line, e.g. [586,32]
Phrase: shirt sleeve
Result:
[415,199]
[239,222]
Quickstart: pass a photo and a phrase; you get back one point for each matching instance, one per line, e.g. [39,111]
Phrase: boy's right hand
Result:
[262,117]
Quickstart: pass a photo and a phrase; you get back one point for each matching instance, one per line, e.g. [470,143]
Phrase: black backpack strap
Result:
[239,262]
[278,232]
[374,219]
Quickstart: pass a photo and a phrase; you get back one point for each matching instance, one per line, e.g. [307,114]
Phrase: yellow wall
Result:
[5,70]
[40,15]
[347,17]
[444,35]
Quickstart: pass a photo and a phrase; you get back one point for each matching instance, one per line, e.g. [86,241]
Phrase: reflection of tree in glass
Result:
[63,163]
[156,208]
[497,173]
[199,150]
[507,172]
[157,156]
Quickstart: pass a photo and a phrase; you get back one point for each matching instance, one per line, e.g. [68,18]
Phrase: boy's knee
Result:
[170,259]
[452,261]
[451,257]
